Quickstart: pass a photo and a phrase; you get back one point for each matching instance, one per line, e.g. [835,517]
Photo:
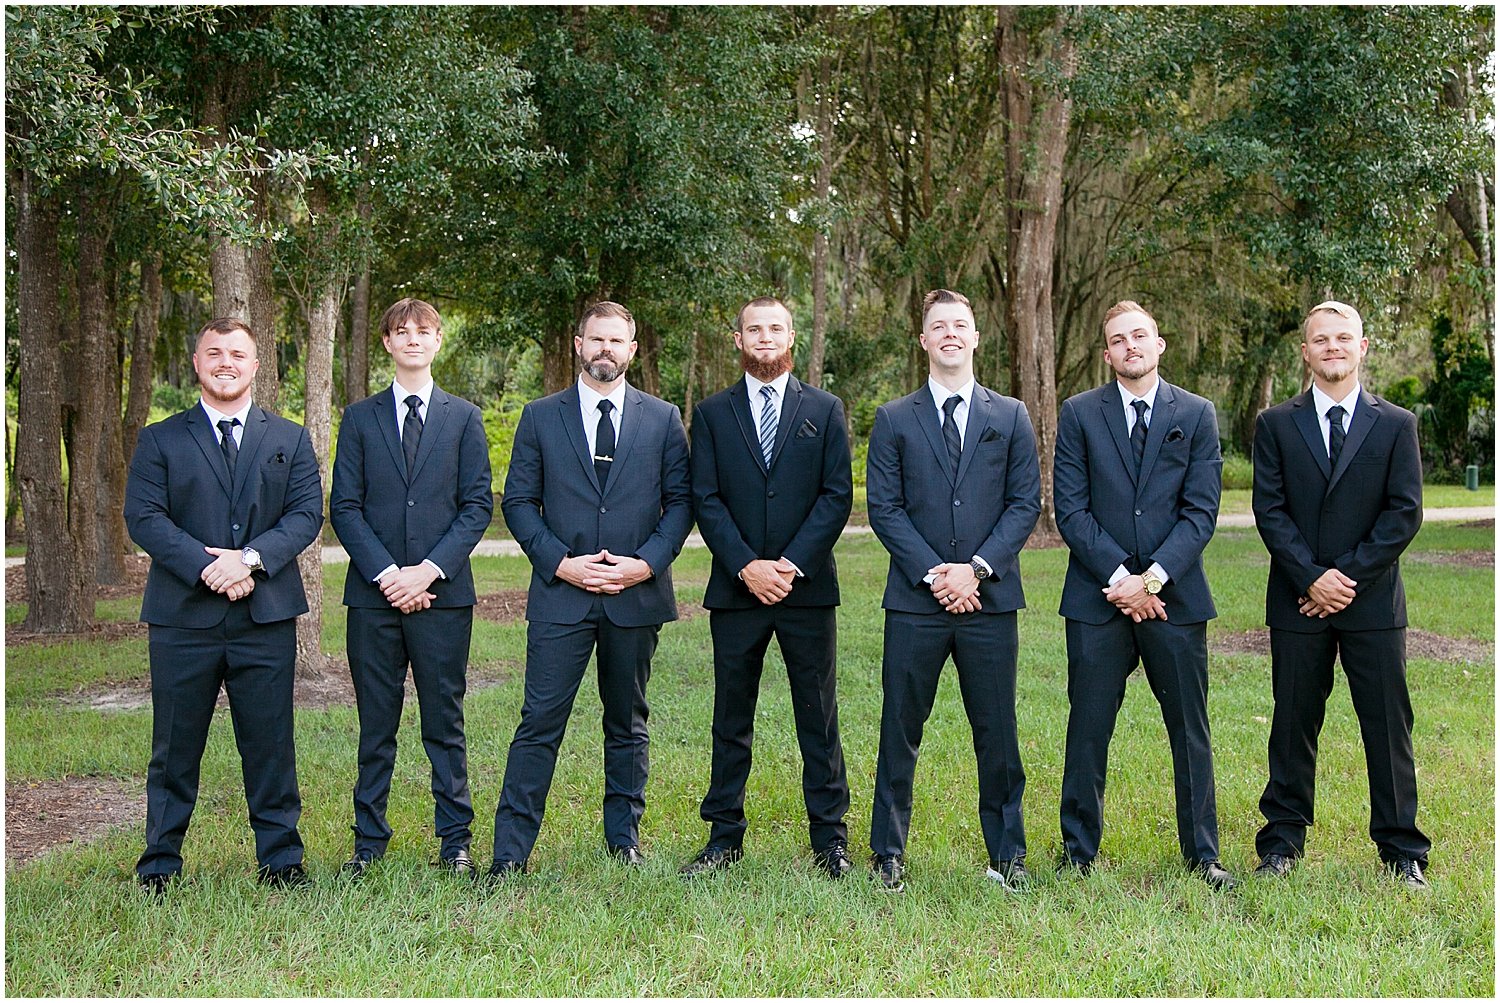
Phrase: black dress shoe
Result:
[631,856]
[461,864]
[1407,872]
[1213,874]
[1067,865]
[1275,865]
[712,858]
[1010,874]
[890,871]
[156,884]
[834,859]
[503,870]
[290,876]
[357,865]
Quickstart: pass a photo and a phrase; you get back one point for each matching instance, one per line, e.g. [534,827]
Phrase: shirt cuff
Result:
[1159,572]
[1119,575]
[432,564]
[383,573]
[794,568]
[929,579]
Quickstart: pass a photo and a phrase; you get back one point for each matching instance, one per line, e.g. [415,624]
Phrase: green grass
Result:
[580,926]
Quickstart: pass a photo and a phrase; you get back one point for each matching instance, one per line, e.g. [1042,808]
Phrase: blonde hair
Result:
[937,296]
[1343,310]
[1129,306]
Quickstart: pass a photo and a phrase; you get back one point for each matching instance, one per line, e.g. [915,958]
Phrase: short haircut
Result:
[759,301]
[1129,306]
[1344,310]
[223,325]
[606,308]
[417,311]
[938,296]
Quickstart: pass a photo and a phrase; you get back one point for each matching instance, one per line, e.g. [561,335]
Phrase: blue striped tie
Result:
[767,423]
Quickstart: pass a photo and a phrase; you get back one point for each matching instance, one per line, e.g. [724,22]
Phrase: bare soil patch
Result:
[1480,524]
[509,606]
[41,815]
[1452,558]
[1419,644]
[136,567]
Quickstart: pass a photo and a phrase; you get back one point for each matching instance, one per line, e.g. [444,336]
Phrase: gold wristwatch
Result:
[1152,583]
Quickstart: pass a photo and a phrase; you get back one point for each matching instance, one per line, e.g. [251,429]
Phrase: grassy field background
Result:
[76,924]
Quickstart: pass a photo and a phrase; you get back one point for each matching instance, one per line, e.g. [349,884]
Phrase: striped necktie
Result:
[767,423]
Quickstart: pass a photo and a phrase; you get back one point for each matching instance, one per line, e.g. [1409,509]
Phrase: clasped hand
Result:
[406,588]
[769,581]
[1130,597]
[956,587]
[1332,592]
[228,575]
[603,572]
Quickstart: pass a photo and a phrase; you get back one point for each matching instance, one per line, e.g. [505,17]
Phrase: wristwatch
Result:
[250,557]
[1152,583]
[981,571]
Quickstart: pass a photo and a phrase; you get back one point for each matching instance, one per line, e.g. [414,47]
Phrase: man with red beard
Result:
[597,496]
[1337,500]
[772,491]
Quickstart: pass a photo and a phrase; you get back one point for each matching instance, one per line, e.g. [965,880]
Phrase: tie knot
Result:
[1141,407]
[1336,413]
[768,392]
[414,404]
[228,425]
[951,404]
[606,406]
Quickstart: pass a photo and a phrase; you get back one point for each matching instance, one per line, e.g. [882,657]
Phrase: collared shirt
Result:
[215,416]
[401,393]
[752,388]
[1127,398]
[1323,402]
[940,395]
[588,406]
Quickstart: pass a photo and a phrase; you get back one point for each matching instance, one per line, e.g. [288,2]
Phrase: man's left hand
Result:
[404,585]
[628,571]
[227,569]
[954,584]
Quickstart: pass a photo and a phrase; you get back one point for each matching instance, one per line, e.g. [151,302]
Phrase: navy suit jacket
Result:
[179,499]
[795,509]
[383,517]
[554,508]
[1358,517]
[1109,515]
[926,516]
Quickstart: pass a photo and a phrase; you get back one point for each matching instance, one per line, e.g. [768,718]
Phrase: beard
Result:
[604,368]
[222,394]
[1135,369]
[766,370]
[1333,370]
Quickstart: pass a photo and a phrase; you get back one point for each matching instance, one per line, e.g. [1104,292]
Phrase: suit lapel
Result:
[251,442]
[1162,416]
[926,417]
[1113,412]
[203,435]
[630,427]
[979,418]
[432,429]
[739,403]
[385,420]
[791,401]
[1305,416]
[1366,414]
[572,420]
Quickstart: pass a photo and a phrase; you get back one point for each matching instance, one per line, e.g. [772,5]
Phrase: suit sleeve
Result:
[301,512]
[1397,524]
[1273,517]
[476,505]
[715,521]
[1023,497]
[521,504]
[147,516]
[346,504]
[1198,505]
[665,542]
[886,501]
[814,540]
[1088,542]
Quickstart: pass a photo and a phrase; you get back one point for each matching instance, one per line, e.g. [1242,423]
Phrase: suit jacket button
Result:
[410,503]
[1137,511]
[602,510]
[956,503]
[770,494]
[235,527]
[952,543]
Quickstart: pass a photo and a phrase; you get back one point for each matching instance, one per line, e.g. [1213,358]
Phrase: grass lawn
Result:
[578,925]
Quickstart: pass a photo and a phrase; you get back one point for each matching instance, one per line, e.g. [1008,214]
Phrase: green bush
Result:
[1238,473]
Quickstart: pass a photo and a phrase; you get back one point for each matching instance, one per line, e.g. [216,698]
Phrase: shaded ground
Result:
[1419,644]
[46,814]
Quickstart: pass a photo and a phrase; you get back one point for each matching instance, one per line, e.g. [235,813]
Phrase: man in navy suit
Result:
[772,491]
[1136,489]
[1337,499]
[223,496]
[954,490]
[598,498]
[411,497]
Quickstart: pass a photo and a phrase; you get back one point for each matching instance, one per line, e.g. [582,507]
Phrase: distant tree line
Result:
[300,167]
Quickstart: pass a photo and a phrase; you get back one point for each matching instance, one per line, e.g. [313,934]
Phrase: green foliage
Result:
[1461,397]
[500,420]
[1238,471]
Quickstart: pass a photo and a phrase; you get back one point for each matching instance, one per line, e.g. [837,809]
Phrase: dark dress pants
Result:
[435,642]
[1301,680]
[808,640]
[254,663]
[1100,658]
[556,657]
[983,646]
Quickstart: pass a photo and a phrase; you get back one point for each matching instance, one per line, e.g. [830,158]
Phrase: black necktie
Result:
[228,445]
[950,432]
[411,431]
[1138,433]
[604,443]
[1335,434]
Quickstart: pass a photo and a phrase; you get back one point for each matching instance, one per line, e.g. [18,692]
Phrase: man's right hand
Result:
[589,572]
[768,581]
[1333,591]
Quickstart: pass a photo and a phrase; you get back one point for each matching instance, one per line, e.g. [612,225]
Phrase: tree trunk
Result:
[357,360]
[147,328]
[647,371]
[114,541]
[557,360]
[57,602]
[822,187]
[1036,142]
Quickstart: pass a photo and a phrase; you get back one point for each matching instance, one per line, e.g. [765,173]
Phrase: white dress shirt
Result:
[940,395]
[1323,402]
[588,406]
[1126,400]
[401,393]
[778,397]
[215,416]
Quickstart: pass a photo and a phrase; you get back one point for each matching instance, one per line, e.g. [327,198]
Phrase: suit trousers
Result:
[807,637]
[983,646]
[556,656]
[435,642]
[254,662]
[1301,680]
[1100,659]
